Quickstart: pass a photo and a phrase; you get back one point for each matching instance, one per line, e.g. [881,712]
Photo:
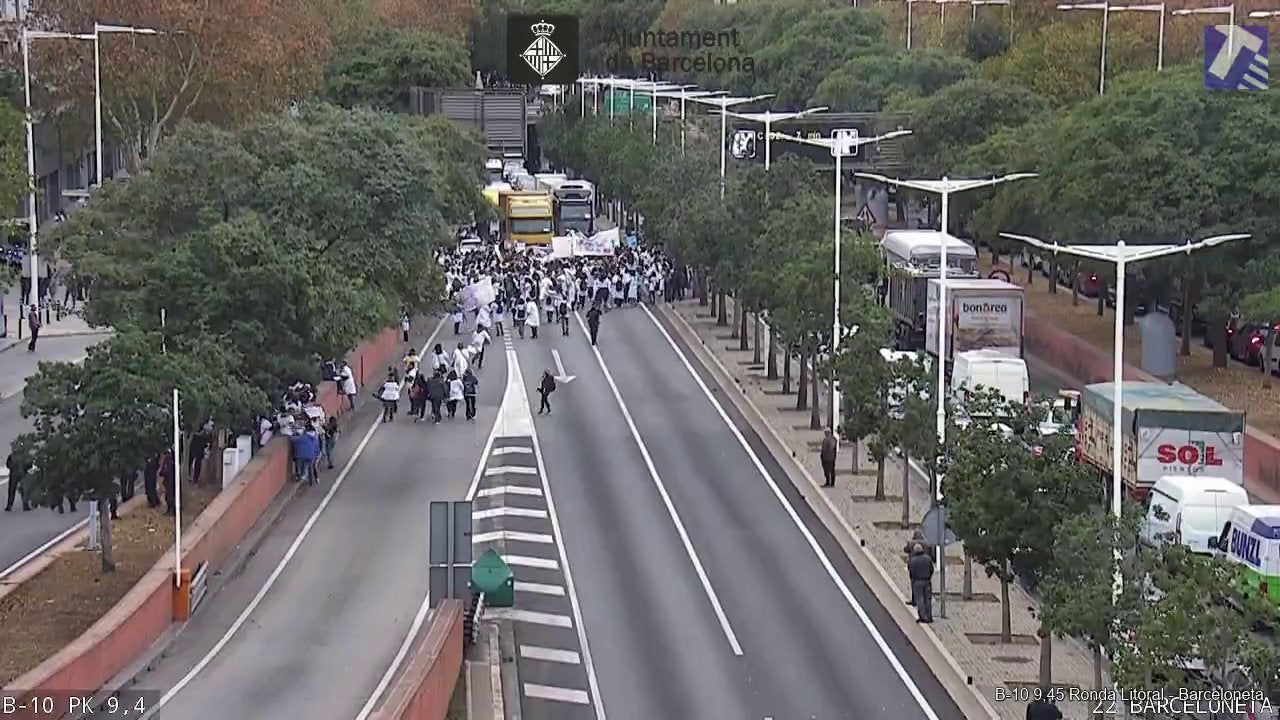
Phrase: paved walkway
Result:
[971,625]
[13,332]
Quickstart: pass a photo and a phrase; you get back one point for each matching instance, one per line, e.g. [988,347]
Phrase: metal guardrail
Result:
[471,621]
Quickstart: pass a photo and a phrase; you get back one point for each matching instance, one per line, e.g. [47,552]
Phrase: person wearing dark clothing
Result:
[17,482]
[920,570]
[437,390]
[828,457]
[418,398]
[545,389]
[563,311]
[33,324]
[469,385]
[150,473]
[200,443]
[306,449]
[917,538]
[593,321]
[518,316]
[1041,709]
[128,486]
[330,438]
[170,487]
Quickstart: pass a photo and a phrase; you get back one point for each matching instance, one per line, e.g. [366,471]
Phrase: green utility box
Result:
[492,576]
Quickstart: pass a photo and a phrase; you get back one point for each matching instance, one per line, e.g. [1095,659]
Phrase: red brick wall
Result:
[425,686]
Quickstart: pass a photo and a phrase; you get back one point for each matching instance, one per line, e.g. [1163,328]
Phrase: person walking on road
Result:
[593,321]
[827,454]
[519,316]
[563,310]
[439,361]
[920,570]
[17,482]
[455,393]
[437,391]
[33,324]
[404,326]
[418,398]
[389,394]
[469,386]
[545,388]
[531,318]
[479,339]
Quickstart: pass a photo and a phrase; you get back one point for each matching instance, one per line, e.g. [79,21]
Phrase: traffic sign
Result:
[934,527]
[865,216]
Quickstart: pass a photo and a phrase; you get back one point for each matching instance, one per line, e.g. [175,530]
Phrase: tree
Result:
[98,422]
[948,124]
[911,425]
[445,17]
[865,377]
[223,61]
[378,71]
[986,39]
[13,155]
[872,82]
[1008,489]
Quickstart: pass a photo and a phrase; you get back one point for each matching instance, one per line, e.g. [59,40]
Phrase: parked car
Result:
[1198,325]
[1088,284]
[1247,343]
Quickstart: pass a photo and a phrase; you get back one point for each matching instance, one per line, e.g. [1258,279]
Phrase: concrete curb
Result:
[958,684]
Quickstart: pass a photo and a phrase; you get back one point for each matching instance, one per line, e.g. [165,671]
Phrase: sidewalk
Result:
[970,633]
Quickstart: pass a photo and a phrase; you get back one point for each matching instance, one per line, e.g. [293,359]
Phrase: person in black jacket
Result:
[17,482]
[469,385]
[920,570]
[437,390]
[545,389]
[593,321]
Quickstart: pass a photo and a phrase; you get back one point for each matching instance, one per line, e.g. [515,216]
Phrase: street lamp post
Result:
[1228,10]
[684,95]
[909,4]
[768,118]
[98,30]
[973,7]
[655,91]
[842,143]
[724,103]
[1108,8]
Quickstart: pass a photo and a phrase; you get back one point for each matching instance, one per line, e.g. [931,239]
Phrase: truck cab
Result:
[526,218]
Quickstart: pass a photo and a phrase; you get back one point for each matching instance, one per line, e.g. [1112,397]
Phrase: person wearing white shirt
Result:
[461,359]
[455,394]
[531,319]
[479,339]
[389,394]
[347,378]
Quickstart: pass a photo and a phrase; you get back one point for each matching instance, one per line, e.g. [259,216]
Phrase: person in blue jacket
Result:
[306,450]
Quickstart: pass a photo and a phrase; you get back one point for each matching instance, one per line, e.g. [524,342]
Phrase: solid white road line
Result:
[424,609]
[42,549]
[511,450]
[596,699]
[539,588]
[512,536]
[533,652]
[510,470]
[547,692]
[902,673]
[528,616]
[509,512]
[510,490]
[531,562]
[666,499]
[284,561]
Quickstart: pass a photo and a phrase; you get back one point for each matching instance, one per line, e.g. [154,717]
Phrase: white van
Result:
[1251,539]
[1195,508]
[897,394]
[991,369]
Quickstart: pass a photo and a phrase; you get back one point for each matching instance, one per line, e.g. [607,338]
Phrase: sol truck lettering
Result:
[1197,453]
[1246,547]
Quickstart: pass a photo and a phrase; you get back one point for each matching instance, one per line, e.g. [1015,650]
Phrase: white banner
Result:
[477,294]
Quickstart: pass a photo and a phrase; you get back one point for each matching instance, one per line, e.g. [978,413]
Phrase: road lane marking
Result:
[42,549]
[505,511]
[902,673]
[274,577]
[565,695]
[531,562]
[512,536]
[529,616]
[539,588]
[511,450]
[567,657]
[510,490]
[666,499]
[510,470]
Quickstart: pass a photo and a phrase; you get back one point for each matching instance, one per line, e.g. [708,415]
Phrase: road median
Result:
[147,609]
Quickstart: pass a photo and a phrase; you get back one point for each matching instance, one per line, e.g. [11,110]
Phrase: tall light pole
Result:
[33,297]
[944,187]
[724,103]
[685,96]
[843,143]
[1228,10]
[98,30]
[1105,7]
[655,90]
[973,7]
[768,118]
[909,4]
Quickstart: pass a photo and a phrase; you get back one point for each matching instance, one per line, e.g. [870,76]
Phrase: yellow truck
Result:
[527,217]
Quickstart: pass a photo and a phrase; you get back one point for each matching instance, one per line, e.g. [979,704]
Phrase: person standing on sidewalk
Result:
[17,482]
[920,570]
[827,454]
[404,326]
[347,383]
[33,324]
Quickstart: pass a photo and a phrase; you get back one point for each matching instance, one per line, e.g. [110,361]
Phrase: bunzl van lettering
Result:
[1194,454]
[1246,547]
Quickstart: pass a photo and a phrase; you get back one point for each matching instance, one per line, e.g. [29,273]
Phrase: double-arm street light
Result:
[973,7]
[662,90]
[843,143]
[944,187]
[1107,8]
[685,95]
[98,30]
[768,118]
[1121,255]
[723,103]
[1228,10]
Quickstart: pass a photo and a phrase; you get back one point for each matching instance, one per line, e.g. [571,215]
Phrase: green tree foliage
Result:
[986,39]
[947,126]
[870,83]
[378,71]
[13,155]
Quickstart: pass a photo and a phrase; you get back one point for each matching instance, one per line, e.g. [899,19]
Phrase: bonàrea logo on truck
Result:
[1193,454]
[983,308]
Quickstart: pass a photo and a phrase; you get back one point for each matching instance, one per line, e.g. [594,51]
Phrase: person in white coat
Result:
[461,360]
[531,319]
[347,379]
[479,339]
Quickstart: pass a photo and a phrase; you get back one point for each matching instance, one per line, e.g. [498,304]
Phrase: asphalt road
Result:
[23,532]
[760,625]
[316,643]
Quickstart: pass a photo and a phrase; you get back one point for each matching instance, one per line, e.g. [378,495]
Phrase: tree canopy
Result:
[378,70]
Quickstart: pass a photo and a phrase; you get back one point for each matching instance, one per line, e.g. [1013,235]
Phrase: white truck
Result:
[1166,430]
[982,314]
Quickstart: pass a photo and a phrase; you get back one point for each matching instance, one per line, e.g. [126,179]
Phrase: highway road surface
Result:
[313,624]
[23,533]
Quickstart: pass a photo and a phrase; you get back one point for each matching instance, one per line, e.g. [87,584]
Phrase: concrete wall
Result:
[425,686]
[121,636]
